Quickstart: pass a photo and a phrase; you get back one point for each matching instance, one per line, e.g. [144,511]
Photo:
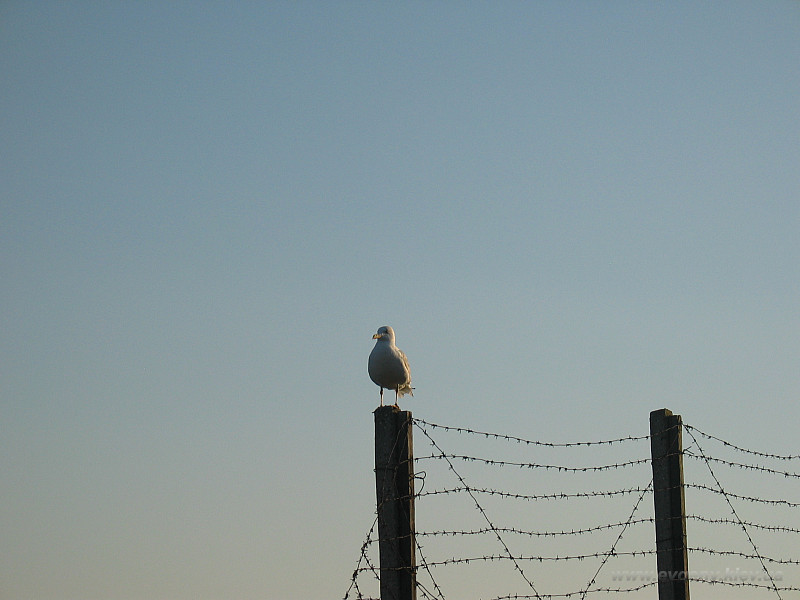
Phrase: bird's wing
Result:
[404,358]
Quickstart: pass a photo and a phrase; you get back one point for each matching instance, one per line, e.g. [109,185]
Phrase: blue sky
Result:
[572,214]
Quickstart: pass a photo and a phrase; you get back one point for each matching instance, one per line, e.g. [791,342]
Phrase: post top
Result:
[661,412]
[390,409]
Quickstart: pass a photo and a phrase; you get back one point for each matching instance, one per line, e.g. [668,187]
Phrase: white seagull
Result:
[388,365]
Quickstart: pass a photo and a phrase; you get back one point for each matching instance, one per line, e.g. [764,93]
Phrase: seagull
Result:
[388,365]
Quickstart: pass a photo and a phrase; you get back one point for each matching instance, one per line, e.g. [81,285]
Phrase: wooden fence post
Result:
[666,449]
[394,483]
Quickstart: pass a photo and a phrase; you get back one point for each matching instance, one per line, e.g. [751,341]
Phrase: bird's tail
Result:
[405,389]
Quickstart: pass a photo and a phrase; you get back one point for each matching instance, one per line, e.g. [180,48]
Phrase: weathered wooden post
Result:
[394,483]
[666,448]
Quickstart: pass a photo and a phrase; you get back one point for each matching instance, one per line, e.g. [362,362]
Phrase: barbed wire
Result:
[755,499]
[485,516]
[653,583]
[363,558]
[735,514]
[611,553]
[523,465]
[746,466]
[586,530]
[427,570]
[595,528]
[580,593]
[756,556]
[693,451]
[774,528]
[744,584]
[511,438]
[619,537]
[739,448]
[516,496]
[465,560]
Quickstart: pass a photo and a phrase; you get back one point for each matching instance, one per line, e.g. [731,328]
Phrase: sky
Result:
[571,213]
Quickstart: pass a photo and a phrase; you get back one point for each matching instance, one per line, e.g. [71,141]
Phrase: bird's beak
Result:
[376,336]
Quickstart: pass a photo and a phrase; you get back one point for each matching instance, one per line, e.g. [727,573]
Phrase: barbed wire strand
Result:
[736,515]
[758,555]
[425,592]
[743,584]
[529,533]
[589,530]
[464,560]
[571,594]
[776,501]
[774,528]
[745,466]
[523,465]
[611,553]
[531,497]
[740,449]
[483,513]
[502,436]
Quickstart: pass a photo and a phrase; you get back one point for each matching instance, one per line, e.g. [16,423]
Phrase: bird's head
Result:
[384,333]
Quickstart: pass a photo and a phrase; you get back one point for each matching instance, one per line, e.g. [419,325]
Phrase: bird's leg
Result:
[381,396]
[395,397]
